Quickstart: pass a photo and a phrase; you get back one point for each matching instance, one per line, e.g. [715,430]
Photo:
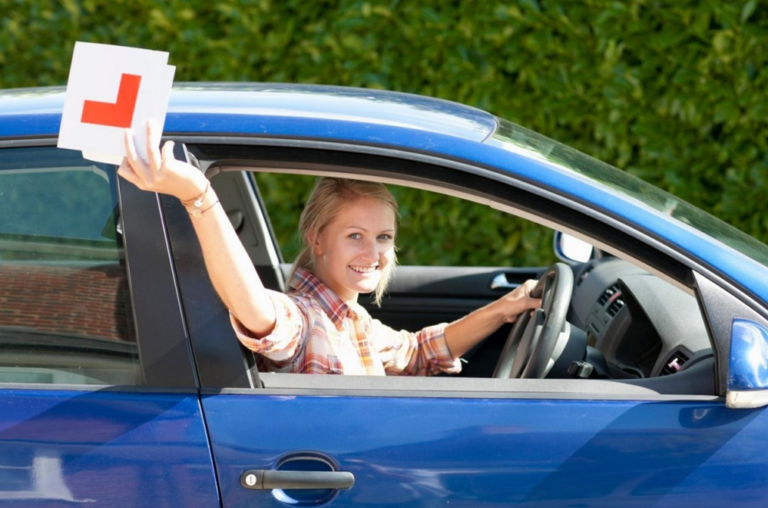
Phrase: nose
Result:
[371,252]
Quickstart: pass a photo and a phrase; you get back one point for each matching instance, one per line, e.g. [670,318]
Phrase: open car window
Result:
[643,335]
[433,229]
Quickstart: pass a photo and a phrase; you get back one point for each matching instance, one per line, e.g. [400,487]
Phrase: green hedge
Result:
[674,92]
[433,229]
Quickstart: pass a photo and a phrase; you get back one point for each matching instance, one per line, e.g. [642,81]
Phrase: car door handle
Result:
[501,282]
[260,479]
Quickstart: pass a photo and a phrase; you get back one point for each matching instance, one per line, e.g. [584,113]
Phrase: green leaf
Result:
[531,4]
[748,10]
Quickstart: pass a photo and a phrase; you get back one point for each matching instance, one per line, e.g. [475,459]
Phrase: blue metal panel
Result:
[748,367]
[36,111]
[107,449]
[416,452]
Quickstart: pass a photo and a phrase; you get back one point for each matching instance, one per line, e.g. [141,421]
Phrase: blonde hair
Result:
[327,199]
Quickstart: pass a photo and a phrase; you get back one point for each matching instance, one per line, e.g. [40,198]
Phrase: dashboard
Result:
[643,326]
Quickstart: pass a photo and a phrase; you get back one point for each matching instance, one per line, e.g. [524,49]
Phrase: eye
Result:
[355,236]
[385,237]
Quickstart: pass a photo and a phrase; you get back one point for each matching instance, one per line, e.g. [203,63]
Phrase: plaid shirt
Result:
[317,333]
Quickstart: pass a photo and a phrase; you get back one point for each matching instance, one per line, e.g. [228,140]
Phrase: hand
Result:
[518,301]
[163,173]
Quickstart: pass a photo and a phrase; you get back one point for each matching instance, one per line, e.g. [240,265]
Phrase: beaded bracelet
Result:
[197,212]
[198,201]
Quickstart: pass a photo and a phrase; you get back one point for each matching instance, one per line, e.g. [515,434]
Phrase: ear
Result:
[314,242]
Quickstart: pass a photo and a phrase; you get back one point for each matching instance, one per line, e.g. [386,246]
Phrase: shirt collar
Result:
[306,282]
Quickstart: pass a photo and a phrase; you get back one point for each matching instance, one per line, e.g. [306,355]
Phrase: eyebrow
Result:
[358,227]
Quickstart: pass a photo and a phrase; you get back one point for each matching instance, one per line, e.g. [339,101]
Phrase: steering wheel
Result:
[538,338]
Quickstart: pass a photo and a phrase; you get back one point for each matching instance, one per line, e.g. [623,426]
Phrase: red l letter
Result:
[119,114]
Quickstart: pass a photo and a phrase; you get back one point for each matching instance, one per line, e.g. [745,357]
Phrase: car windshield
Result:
[512,137]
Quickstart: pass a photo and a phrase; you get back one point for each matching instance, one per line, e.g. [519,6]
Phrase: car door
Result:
[98,396]
[409,445]
[283,439]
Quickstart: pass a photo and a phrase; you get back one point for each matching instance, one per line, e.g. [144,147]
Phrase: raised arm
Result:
[228,264]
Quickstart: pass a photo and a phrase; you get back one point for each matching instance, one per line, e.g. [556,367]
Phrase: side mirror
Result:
[748,365]
[572,250]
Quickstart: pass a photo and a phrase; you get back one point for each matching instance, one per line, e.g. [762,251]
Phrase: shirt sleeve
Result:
[282,344]
[421,353]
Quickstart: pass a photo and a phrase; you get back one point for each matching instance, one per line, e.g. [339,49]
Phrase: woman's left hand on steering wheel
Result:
[518,301]
[532,342]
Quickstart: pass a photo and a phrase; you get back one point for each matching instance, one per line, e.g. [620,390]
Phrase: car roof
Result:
[403,121]
[194,108]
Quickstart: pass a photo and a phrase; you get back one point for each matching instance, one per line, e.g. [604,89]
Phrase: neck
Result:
[346,295]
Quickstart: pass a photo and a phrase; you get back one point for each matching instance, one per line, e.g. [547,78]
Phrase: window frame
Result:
[163,344]
[463,179]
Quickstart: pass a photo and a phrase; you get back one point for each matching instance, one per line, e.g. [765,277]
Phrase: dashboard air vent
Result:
[609,294]
[674,364]
[615,306]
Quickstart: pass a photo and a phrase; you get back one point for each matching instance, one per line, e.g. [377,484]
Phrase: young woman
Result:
[348,228]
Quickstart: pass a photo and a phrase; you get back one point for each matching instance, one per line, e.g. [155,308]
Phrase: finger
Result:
[529,286]
[153,146]
[524,289]
[123,164]
[168,156]
[132,158]
[126,172]
[130,148]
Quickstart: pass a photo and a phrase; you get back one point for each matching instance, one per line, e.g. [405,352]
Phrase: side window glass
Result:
[435,229]
[65,311]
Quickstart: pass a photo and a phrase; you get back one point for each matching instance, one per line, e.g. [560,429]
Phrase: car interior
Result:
[630,326]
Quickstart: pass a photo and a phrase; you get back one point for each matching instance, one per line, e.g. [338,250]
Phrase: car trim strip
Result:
[164,350]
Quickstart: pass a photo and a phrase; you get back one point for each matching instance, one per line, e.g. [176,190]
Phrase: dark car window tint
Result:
[65,315]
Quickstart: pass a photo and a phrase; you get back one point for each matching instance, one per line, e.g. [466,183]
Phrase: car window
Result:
[65,311]
[515,138]
[616,328]
[433,229]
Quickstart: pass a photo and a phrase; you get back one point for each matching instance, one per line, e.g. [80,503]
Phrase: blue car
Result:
[642,382]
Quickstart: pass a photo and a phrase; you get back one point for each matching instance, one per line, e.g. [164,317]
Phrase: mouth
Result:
[363,270]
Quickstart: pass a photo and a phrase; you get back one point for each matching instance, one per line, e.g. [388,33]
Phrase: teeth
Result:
[363,269]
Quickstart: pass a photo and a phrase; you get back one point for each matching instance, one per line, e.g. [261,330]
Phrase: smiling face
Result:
[352,252]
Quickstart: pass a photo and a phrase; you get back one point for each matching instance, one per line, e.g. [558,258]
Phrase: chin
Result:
[368,286]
